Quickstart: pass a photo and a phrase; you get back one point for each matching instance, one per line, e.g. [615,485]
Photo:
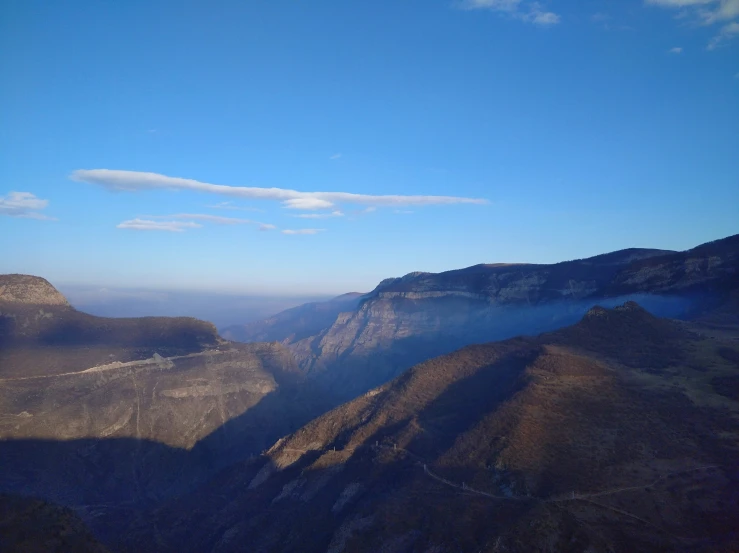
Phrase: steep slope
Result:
[124,412]
[617,434]
[421,315]
[294,324]
[33,526]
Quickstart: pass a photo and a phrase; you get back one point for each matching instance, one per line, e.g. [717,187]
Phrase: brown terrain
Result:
[617,434]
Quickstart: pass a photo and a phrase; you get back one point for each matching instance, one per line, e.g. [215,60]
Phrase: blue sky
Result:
[134,133]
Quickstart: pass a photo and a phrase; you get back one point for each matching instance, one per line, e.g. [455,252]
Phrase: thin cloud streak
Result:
[204,217]
[213,219]
[320,215]
[230,206]
[303,231]
[146,224]
[131,181]
[528,12]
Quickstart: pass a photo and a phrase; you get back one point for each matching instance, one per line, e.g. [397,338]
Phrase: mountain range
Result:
[493,408]
[407,320]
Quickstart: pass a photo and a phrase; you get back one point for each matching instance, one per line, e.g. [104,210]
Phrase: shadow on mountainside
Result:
[104,478]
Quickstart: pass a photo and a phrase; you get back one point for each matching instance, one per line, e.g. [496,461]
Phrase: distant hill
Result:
[294,324]
[616,434]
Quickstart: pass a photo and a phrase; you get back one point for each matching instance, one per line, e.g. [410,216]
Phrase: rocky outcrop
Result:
[30,290]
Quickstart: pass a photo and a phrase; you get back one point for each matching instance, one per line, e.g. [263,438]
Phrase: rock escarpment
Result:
[409,319]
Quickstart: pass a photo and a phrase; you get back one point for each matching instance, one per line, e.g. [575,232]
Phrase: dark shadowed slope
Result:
[34,526]
[616,434]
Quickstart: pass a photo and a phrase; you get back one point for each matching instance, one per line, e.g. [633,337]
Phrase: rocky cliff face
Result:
[409,319]
[175,400]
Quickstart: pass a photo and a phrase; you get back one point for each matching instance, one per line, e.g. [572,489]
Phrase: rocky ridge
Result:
[409,319]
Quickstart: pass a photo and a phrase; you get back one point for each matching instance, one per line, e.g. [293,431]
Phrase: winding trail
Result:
[470,490]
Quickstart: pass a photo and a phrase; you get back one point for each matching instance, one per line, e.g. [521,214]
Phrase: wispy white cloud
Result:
[145,224]
[402,212]
[708,12]
[303,231]
[523,10]
[232,207]
[335,156]
[24,205]
[675,50]
[212,219]
[726,33]
[307,203]
[135,181]
[203,217]
[320,215]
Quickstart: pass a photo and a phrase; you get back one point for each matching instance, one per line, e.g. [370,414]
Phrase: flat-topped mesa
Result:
[34,313]
[30,290]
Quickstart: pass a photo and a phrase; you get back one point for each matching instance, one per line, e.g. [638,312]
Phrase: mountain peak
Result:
[629,334]
[28,289]
[628,307]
